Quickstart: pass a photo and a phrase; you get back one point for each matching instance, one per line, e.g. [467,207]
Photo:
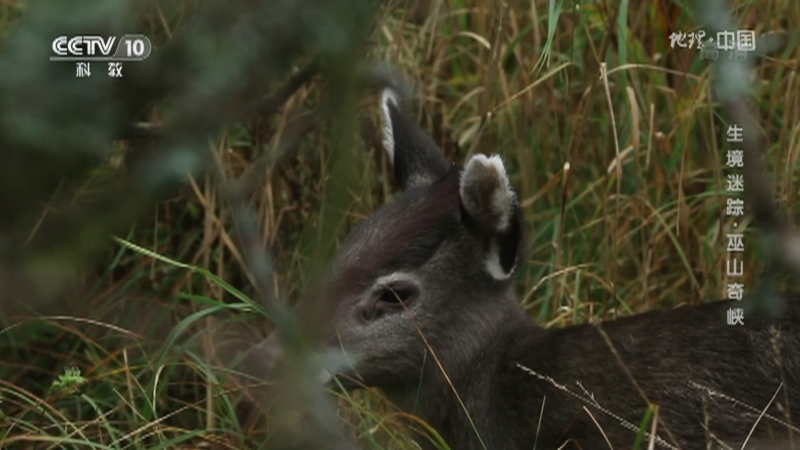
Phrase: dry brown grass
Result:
[637,222]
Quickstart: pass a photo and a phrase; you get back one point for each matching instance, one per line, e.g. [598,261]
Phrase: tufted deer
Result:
[426,311]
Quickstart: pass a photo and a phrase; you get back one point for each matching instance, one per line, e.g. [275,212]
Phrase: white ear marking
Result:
[493,266]
[502,200]
[388,95]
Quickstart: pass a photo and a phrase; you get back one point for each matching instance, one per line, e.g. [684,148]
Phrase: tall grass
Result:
[612,139]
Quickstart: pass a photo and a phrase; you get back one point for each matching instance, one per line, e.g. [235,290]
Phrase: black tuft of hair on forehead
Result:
[425,216]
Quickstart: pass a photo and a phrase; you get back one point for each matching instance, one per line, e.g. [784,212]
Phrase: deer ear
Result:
[416,159]
[491,208]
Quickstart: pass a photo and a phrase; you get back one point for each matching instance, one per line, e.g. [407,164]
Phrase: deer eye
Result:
[398,294]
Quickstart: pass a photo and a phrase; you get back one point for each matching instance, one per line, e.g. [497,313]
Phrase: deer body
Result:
[423,288]
[549,386]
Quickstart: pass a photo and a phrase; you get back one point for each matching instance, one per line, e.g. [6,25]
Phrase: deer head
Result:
[430,270]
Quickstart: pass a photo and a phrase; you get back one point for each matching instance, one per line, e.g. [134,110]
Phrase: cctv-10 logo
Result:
[131,47]
[84,46]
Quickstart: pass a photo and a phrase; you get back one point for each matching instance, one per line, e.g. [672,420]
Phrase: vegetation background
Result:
[117,309]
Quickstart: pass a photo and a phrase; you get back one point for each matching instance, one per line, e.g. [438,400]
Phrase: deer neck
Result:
[464,403]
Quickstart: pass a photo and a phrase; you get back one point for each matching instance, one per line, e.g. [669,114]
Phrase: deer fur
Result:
[424,288]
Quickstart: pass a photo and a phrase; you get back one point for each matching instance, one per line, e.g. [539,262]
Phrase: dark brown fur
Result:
[527,379]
